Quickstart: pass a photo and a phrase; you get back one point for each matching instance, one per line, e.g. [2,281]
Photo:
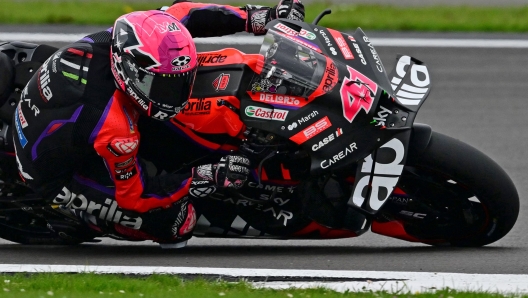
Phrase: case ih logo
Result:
[268,114]
[357,92]
[221,82]
[312,130]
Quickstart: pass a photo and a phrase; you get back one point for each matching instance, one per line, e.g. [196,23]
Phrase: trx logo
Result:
[108,211]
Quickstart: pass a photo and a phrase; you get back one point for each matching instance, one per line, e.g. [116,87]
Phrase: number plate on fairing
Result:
[378,174]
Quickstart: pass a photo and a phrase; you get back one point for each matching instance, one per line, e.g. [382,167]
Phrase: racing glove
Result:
[230,172]
[259,16]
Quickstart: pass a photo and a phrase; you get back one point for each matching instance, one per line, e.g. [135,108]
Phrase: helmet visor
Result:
[167,91]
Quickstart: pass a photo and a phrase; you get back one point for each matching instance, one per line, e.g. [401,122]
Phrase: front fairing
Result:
[332,87]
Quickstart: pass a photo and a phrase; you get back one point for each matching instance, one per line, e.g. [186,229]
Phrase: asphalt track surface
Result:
[479,96]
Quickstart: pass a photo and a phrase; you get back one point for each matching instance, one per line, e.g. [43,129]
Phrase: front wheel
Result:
[451,194]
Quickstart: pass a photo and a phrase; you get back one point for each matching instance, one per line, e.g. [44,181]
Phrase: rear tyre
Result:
[455,195]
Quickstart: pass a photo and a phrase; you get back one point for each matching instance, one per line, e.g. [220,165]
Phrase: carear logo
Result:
[357,92]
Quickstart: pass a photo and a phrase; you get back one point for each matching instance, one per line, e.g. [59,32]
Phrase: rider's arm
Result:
[206,20]
[117,142]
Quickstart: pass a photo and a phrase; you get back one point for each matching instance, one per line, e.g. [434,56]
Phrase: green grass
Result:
[94,285]
[368,17]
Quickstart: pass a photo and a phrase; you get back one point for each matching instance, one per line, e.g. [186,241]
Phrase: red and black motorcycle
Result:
[334,144]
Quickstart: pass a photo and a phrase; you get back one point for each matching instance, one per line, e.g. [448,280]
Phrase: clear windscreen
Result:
[290,67]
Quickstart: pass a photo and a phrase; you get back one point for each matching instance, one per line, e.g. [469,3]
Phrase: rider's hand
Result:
[288,9]
[259,16]
[230,172]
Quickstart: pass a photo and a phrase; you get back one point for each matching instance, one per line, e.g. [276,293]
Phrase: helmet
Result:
[154,61]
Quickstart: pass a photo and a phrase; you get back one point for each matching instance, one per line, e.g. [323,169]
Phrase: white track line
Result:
[254,40]
[367,280]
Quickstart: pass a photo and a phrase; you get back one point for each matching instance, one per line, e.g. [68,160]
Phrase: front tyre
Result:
[454,195]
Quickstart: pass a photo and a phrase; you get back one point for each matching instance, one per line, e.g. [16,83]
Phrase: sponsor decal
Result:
[307,34]
[18,125]
[413,214]
[399,199]
[264,85]
[202,192]
[311,131]
[122,146]
[292,126]
[339,156]
[197,107]
[375,55]
[303,33]
[162,115]
[181,63]
[28,100]
[221,82]
[277,213]
[264,113]
[331,77]
[382,116]
[360,54]
[342,44]
[327,139]
[272,188]
[307,117]
[108,211]
[384,178]
[286,29]
[21,118]
[125,164]
[138,100]
[300,41]
[125,174]
[419,78]
[56,56]
[357,92]
[43,81]
[173,27]
[211,59]
[277,99]
[328,42]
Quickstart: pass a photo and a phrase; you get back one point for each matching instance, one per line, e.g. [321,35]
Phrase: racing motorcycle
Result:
[318,105]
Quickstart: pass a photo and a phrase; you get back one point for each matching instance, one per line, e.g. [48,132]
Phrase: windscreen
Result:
[290,67]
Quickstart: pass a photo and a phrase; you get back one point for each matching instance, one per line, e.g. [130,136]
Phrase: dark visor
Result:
[168,91]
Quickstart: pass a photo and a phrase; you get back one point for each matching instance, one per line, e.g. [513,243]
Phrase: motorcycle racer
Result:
[76,134]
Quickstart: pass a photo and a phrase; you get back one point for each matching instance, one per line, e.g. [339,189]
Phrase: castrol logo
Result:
[264,113]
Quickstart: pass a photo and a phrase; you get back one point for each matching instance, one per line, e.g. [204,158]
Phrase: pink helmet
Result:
[154,61]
